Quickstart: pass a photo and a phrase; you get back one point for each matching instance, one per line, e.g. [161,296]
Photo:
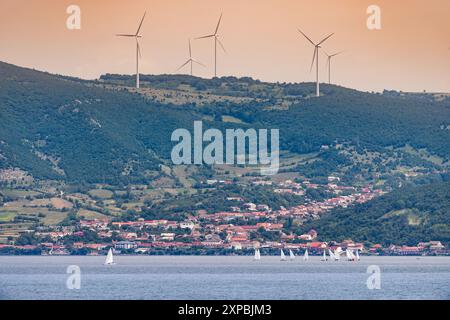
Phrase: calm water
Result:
[170,277]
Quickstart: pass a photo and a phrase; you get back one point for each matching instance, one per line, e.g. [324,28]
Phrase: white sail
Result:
[337,254]
[306,255]
[257,255]
[331,254]
[350,255]
[109,258]
[357,255]
[347,254]
[291,255]
[283,257]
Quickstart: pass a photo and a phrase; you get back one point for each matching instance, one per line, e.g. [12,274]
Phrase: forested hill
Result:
[406,216]
[377,120]
[63,128]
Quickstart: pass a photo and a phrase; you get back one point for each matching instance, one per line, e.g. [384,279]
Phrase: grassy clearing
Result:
[7,216]
[424,154]
[91,215]
[53,217]
[101,193]
[182,173]
[18,194]
[413,217]
[230,119]
[45,215]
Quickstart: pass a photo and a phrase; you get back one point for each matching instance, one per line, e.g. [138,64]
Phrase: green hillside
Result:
[406,216]
[62,128]
[49,123]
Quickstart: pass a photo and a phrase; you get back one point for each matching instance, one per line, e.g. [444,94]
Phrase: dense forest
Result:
[63,128]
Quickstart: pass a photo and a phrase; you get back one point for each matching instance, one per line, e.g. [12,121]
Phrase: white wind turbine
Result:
[216,40]
[138,48]
[316,58]
[190,60]
[329,57]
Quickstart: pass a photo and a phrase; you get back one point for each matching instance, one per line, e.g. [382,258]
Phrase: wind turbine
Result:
[216,41]
[316,58]
[138,48]
[329,64]
[190,60]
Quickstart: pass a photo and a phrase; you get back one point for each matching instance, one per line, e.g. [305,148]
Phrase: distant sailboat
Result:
[291,255]
[306,255]
[331,254]
[350,255]
[337,254]
[283,257]
[257,255]
[109,258]
[324,258]
[347,254]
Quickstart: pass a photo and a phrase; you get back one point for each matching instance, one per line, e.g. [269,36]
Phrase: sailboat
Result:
[283,257]
[291,255]
[331,254]
[337,254]
[257,255]
[347,254]
[109,258]
[324,258]
[357,255]
[306,255]
[350,255]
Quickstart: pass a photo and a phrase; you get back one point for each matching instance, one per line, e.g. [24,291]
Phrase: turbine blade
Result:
[190,50]
[198,62]
[333,55]
[314,59]
[140,25]
[204,37]
[324,39]
[221,45]
[125,35]
[306,37]
[184,64]
[218,24]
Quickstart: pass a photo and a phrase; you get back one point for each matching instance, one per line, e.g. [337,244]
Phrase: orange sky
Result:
[410,53]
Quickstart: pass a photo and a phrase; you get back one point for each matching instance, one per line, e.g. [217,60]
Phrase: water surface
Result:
[195,277]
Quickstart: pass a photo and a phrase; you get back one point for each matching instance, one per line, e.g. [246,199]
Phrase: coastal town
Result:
[237,231]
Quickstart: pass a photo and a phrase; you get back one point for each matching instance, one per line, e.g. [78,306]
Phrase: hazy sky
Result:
[410,52]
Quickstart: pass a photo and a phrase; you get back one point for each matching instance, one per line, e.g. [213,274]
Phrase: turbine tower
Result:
[138,48]
[316,58]
[216,41]
[190,60]
[329,57]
